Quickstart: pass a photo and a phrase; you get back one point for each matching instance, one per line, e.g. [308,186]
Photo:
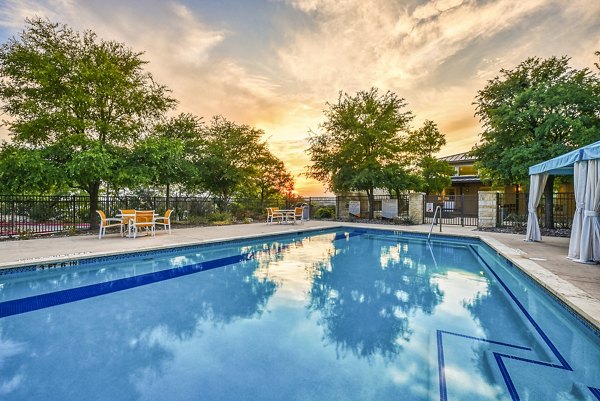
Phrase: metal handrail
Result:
[433,220]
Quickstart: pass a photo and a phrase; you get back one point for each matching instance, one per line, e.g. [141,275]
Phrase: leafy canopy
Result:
[229,155]
[360,138]
[421,146]
[79,101]
[539,110]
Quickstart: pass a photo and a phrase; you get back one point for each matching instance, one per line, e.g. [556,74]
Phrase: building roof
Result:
[458,158]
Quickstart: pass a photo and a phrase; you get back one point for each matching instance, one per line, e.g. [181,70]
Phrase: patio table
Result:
[287,213]
[130,217]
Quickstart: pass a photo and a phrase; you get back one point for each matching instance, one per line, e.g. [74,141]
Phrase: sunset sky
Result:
[273,64]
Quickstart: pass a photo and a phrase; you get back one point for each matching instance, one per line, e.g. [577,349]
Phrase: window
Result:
[467,170]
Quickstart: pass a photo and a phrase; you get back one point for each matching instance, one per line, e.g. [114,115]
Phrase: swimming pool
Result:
[344,314]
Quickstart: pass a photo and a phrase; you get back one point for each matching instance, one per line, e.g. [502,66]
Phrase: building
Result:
[465,181]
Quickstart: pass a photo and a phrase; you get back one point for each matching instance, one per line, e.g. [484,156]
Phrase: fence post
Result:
[74,214]
[462,210]
[498,210]
[176,209]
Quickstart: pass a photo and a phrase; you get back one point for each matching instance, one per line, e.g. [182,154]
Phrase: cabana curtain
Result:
[589,249]
[584,164]
[580,172]
[538,182]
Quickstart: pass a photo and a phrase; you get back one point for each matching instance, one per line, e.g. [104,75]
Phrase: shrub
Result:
[224,217]
[326,212]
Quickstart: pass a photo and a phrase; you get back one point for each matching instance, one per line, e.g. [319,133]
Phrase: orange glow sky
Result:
[274,64]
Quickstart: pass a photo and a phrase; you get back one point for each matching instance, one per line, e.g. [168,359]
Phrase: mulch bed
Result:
[546,232]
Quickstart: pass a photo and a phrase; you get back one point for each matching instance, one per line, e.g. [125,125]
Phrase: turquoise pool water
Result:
[330,315]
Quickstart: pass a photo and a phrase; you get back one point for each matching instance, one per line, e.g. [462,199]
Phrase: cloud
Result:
[436,54]
[179,45]
[360,43]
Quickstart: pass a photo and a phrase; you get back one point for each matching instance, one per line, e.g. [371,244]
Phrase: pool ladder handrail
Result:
[433,221]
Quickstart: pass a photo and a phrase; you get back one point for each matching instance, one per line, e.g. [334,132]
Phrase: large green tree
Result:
[270,179]
[168,156]
[421,146]
[536,111]
[78,101]
[228,158]
[359,142]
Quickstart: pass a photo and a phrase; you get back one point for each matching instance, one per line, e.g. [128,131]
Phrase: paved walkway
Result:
[577,284]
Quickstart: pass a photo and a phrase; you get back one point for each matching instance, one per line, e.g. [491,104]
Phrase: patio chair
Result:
[127,215]
[273,213]
[108,222]
[298,215]
[165,220]
[144,219]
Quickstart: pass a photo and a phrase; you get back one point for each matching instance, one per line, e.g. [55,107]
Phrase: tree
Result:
[421,145]
[362,135]
[539,110]
[79,101]
[436,174]
[228,158]
[25,171]
[398,179]
[425,141]
[168,156]
[270,179]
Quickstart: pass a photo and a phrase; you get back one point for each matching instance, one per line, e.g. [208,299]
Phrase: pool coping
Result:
[586,306]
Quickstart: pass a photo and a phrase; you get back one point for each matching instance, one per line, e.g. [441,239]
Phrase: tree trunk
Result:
[221,201]
[398,201]
[168,197]
[549,203]
[93,191]
[517,200]
[371,202]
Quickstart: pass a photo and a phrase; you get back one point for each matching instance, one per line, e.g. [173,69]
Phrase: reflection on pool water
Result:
[331,315]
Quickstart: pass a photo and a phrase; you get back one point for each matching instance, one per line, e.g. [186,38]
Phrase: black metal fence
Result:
[512,210]
[32,214]
[23,214]
[29,214]
[458,210]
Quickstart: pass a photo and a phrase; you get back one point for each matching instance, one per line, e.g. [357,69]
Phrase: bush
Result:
[219,217]
[327,212]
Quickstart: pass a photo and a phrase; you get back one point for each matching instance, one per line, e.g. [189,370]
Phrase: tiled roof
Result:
[460,157]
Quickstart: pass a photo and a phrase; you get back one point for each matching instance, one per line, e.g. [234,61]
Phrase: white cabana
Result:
[584,164]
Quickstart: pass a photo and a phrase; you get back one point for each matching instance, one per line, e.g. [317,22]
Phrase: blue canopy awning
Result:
[563,164]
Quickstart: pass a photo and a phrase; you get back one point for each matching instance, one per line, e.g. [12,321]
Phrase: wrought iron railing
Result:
[512,210]
[37,214]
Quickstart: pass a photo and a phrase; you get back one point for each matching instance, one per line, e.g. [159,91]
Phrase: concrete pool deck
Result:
[578,285]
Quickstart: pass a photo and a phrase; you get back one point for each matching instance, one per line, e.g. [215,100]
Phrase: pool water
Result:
[330,315]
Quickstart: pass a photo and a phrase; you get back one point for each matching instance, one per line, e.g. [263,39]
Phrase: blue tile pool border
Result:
[524,275]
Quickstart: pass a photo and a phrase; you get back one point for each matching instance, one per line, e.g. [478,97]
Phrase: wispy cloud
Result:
[436,54]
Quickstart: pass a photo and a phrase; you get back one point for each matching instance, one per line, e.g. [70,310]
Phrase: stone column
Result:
[415,207]
[488,209]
